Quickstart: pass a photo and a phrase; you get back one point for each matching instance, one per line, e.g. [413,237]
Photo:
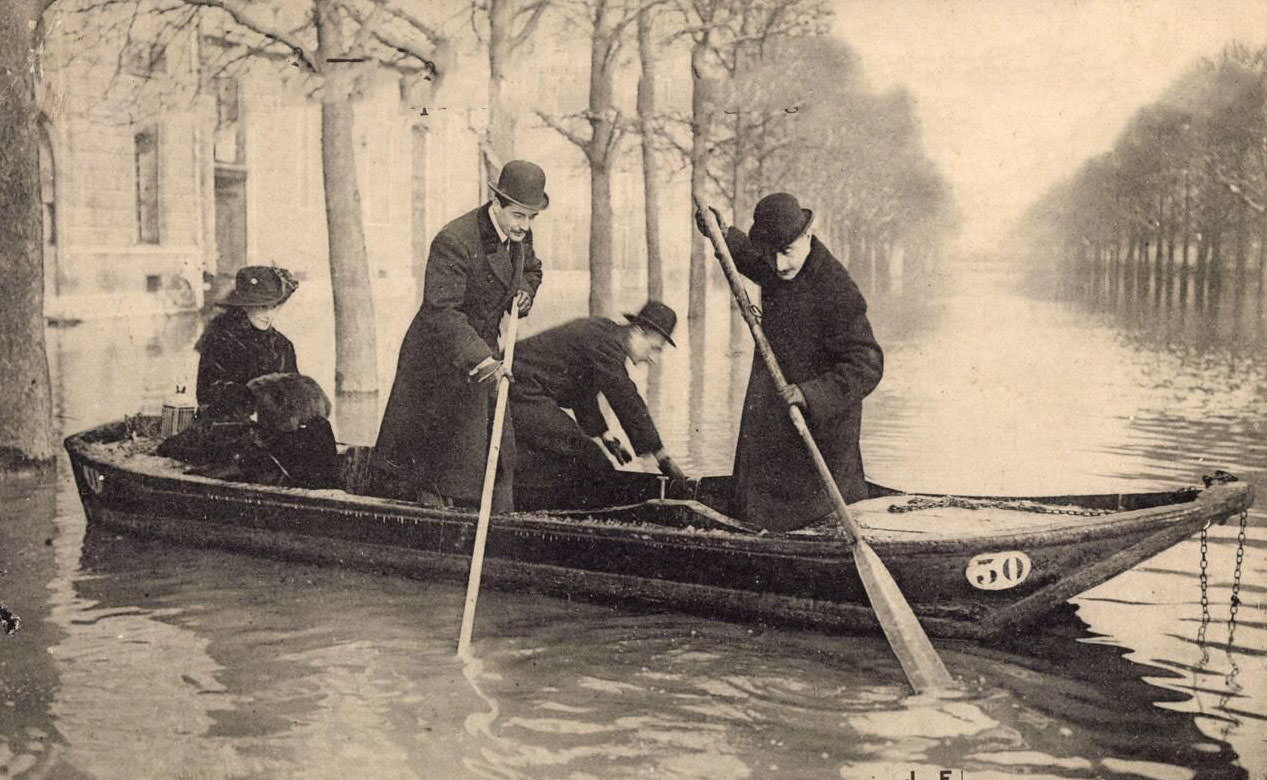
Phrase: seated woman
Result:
[289,444]
[241,343]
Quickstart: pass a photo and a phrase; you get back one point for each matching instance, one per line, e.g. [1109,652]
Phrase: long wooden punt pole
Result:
[490,479]
[923,667]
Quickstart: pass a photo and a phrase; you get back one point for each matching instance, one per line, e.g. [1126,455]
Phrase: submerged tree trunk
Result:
[600,300]
[501,123]
[355,352]
[26,422]
[355,361]
[700,128]
[650,181]
[599,151]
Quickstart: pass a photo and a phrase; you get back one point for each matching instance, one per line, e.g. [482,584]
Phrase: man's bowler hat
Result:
[656,316]
[777,221]
[524,183]
[260,285]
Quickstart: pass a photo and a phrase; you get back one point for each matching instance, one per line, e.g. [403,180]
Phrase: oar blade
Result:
[923,667]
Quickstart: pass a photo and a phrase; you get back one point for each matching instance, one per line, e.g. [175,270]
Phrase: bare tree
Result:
[26,434]
[606,22]
[650,177]
[510,23]
[719,32]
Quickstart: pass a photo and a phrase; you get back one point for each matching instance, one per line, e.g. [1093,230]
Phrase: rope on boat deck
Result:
[916,503]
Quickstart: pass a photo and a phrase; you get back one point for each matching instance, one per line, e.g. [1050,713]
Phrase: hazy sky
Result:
[1015,94]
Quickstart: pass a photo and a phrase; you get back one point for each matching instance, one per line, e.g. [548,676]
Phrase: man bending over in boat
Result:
[816,321]
[558,461]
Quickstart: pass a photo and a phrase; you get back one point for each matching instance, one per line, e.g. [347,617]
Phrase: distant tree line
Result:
[1182,195]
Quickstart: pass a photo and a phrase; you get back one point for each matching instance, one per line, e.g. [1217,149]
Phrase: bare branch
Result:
[535,11]
[384,36]
[244,18]
[367,26]
[419,25]
[555,125]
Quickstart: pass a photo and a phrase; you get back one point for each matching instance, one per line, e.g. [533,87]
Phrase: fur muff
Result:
[283,402]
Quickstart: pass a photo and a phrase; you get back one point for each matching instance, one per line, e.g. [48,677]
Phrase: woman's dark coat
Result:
[233,351]
[817,326]
[435,431]
[566,367]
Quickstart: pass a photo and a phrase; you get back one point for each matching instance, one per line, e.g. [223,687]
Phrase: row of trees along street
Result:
[775,105]
[1179,204]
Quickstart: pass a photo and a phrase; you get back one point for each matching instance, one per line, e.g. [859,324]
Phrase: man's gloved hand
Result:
[618,451]
[669,468]
[701,224]
[524,299]
[793,395]
[489,370]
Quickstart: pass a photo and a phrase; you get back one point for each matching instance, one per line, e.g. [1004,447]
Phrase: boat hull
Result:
[782,579]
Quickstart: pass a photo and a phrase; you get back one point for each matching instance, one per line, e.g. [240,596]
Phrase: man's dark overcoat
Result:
[817,326]
[233,351]
[566,367]
[436,427]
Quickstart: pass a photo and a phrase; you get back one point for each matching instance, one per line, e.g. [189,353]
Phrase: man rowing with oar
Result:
[816,322]
[558,460]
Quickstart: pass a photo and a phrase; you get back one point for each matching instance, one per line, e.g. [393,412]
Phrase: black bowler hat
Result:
[260,285]
[777,221]
[656,316]
[524,183]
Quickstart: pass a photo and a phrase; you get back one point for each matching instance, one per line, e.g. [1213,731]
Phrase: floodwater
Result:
[145,660]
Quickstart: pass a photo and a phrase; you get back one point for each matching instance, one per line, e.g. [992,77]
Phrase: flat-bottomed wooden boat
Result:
[971,567]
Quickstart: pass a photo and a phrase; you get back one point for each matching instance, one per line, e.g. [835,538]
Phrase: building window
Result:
[146,150]
[228,136]
[226,100]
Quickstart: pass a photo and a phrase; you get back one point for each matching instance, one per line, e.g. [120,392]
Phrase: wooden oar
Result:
[924,668]
[490,479]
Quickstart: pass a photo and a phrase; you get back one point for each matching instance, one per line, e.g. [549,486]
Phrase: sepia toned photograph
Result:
[578,389]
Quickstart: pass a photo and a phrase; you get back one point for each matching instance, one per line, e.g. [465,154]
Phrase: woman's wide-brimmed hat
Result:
[656,316]
[777,221]
[524,183]
[260,285]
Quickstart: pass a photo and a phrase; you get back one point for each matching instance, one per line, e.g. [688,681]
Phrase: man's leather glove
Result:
[618,451]
[669,468]
[793,395]
[489,370]
[524,299]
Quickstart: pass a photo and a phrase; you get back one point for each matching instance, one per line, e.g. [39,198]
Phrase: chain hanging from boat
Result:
[1234,603]
[1231,686]
[916,503]
[1203,577]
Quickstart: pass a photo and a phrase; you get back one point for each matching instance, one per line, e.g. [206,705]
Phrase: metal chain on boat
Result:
[1204,578]
[916,503]
[1234,604]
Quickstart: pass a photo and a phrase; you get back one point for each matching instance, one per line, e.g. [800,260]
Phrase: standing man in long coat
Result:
[558,461]
[816,321]
[434,437]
